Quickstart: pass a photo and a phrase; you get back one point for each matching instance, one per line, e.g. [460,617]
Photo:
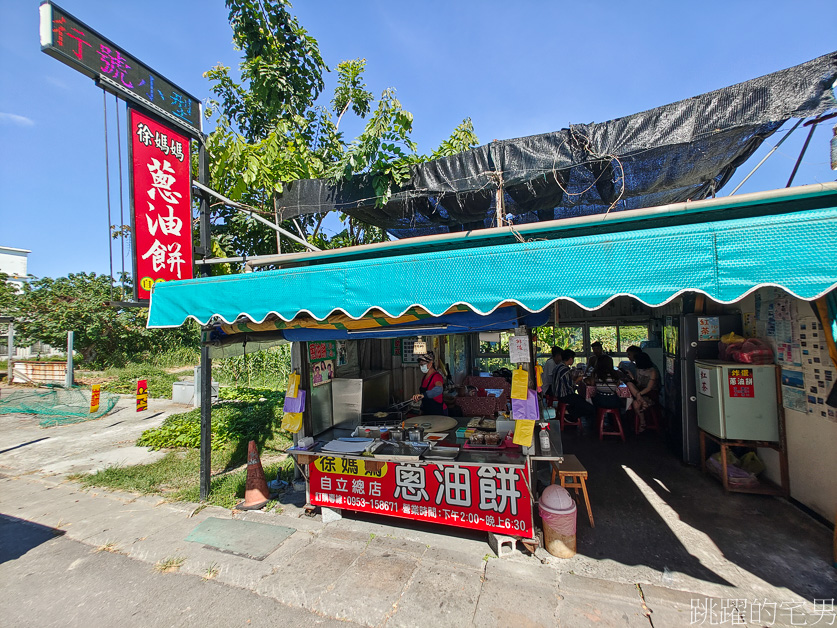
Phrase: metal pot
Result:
[415,433]
[396,435]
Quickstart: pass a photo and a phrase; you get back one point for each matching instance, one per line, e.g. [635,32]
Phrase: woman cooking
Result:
[432,387]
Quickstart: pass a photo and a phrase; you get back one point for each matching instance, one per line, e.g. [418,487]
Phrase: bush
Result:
[232,423]
[246,393]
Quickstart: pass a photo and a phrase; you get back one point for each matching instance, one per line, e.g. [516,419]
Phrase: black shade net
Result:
[686,150]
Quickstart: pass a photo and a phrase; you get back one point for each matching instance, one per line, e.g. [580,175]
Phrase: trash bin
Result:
[558,513]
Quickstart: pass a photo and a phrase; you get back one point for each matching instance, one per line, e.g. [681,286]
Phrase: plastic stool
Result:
[652,414]
[561,414]
[600,417]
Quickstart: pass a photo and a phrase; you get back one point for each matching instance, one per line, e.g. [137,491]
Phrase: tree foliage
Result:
[269,131]
[48,308]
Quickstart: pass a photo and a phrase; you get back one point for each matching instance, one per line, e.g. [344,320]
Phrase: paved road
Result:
[50,580]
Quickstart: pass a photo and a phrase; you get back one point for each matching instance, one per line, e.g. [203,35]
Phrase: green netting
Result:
[58,406]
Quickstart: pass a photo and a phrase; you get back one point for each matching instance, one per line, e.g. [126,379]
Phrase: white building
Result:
[14,263]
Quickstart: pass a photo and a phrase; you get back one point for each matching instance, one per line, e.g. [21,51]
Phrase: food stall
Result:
[493,279]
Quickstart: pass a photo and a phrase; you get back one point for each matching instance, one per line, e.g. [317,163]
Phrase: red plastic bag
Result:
[754,351]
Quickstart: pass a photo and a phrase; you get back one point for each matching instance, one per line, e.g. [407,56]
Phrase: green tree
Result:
[49,308]
[269,131]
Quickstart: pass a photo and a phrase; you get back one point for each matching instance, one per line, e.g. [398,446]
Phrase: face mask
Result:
[424,368]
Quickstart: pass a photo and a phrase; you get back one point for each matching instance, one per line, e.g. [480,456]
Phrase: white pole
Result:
[11,352]
[68,379]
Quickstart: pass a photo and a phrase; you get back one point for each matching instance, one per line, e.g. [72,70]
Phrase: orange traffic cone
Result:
[255,493]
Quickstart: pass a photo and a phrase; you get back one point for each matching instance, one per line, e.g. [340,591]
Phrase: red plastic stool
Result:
[653,416]
[561,415]
[600,417]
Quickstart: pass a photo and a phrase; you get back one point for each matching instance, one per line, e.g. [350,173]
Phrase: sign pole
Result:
[206,362]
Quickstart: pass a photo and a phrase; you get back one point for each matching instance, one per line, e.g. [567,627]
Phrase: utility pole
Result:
[206,362]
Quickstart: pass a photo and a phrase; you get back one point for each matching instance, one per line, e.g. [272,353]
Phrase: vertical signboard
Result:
[142,395]
[161,196]
[95,395]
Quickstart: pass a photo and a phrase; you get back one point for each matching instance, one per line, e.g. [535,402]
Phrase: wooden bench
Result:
[572,474]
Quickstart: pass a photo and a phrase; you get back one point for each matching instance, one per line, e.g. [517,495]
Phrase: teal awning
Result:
[724,259]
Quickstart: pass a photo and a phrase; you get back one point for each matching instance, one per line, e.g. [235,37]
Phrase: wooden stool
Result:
[572,474]
[601,413]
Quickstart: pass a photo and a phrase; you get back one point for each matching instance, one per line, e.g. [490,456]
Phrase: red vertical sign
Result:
[162,184]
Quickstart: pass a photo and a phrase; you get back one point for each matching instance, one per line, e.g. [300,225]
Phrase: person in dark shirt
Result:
[563,386]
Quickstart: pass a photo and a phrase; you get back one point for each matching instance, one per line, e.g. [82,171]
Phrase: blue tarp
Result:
[724,259]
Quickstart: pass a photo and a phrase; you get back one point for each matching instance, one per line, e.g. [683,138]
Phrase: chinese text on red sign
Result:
[491,498]
[162,203]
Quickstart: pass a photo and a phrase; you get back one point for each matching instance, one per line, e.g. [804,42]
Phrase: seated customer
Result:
[628,367]
[564,387]
[646,387]
[549,371]
[606,380]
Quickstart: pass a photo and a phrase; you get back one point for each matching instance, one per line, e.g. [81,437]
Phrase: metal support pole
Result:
[801,154]
[206,421]
[772,150]
[68,378]
[206,362]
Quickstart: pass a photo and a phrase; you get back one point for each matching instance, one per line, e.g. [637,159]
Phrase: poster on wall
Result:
[709,328]
[794,399]
[322,372]
[321,351]
[342,353]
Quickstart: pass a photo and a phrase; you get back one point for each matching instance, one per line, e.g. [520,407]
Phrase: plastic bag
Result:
[731,459]
[525,409]
[754,351]
[751,463]
[295,404]
[293,385]
[523,432]
[520,384]
[732,338]
[292,422]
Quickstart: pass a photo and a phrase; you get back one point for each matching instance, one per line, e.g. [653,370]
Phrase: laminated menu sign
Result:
[490,498]
[740,382]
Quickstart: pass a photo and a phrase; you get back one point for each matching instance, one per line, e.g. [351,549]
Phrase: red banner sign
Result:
[741,383]
[142,395]
[490,498]
[162,203]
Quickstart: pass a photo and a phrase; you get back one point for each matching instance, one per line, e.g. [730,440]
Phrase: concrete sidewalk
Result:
[367,572]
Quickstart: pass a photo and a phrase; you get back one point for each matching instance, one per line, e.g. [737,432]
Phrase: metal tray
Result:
[441,453]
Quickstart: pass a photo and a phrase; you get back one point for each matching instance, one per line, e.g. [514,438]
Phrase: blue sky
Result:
[515,68]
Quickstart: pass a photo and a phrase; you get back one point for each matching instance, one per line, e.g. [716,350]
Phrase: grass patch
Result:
[170,564]
[211,572]
[125,379]
[110,546]
[176,476]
